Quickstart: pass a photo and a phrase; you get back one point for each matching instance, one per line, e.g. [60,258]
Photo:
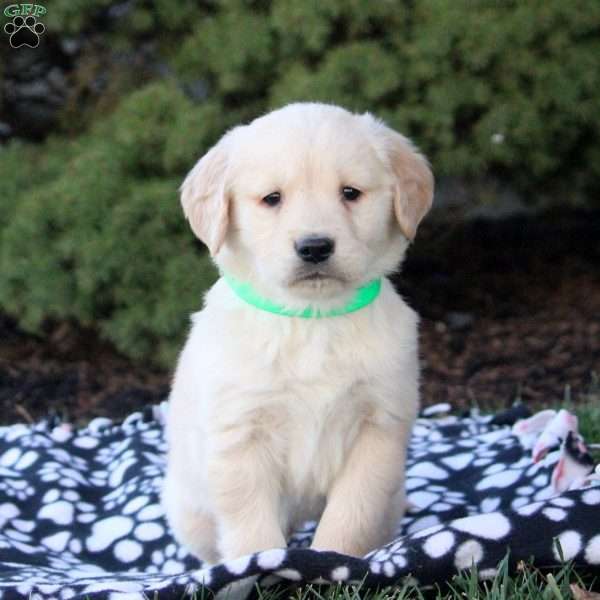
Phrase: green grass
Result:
[588,410]
[529,583]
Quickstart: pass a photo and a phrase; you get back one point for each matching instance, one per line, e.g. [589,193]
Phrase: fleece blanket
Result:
[80,515]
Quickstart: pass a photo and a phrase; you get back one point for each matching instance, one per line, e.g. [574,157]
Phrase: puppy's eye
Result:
[272,199]
[350,193]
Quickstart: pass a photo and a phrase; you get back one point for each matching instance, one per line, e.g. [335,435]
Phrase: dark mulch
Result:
[510,307]
[72,374]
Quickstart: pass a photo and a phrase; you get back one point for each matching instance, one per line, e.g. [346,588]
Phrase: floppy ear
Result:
[204,196]
[413,191]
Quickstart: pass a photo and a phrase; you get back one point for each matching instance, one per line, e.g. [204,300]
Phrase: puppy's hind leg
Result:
[192,526]
[197,532]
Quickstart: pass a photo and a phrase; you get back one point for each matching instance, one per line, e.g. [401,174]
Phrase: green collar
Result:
[363,297]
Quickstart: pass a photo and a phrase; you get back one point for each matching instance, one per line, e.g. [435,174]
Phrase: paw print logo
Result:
[24,31]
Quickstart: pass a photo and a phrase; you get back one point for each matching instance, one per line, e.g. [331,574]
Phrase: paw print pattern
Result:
[303,535]
[24,31]
[389,559]
[80,515]
[14,464]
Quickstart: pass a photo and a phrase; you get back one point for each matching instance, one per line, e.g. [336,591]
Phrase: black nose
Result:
[314,249]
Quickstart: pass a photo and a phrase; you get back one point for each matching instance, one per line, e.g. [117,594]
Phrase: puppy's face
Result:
[308,202]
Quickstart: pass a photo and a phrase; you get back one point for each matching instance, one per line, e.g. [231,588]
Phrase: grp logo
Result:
[25,28]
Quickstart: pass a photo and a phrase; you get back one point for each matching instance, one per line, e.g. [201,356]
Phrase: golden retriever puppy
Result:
[296,391]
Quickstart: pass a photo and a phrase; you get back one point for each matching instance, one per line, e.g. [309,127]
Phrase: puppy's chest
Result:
[325,355]
[321,424]
[314,386]
[324,400]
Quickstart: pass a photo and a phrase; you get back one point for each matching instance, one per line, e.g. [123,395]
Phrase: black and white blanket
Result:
[80,515]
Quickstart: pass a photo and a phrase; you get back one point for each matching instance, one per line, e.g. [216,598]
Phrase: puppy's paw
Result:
[236,544]
[341,544]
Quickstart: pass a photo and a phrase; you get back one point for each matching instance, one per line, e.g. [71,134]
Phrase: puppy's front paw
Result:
[239,543]
[346,542]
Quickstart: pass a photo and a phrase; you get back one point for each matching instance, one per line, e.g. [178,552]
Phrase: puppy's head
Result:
[309,202]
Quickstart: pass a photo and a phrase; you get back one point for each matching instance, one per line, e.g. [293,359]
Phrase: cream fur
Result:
[273,419]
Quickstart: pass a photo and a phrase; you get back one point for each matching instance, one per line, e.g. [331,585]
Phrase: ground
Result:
[508,308]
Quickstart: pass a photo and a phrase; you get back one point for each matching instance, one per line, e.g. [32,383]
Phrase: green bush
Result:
[91,228]
[98,235]
[506,88]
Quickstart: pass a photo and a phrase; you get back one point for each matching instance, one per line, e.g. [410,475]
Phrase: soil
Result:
[508,308]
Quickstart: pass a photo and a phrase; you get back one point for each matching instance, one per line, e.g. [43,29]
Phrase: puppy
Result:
[296,391]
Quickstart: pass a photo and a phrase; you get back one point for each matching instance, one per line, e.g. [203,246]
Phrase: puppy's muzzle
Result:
[314,249]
